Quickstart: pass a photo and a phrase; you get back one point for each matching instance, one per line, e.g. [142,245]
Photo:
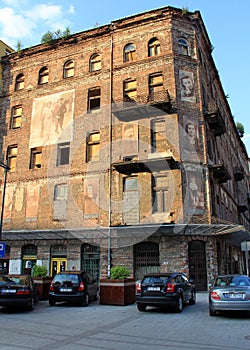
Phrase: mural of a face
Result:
[187,86]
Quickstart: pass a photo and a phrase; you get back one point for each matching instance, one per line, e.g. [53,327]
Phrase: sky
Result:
[226,21]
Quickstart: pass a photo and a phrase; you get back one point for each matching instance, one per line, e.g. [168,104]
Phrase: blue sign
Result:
[2,249]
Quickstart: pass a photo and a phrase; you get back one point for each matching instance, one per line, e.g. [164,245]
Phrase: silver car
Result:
[228,293]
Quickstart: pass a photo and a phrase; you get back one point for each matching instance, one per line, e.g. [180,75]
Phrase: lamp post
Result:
[6,169]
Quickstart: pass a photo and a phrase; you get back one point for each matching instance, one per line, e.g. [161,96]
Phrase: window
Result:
[158,136]
[154,47]
[129,53]
[155,84]
[12,157]
[160,194]
[19,82]
[16,117]
[43,76]
[93,147]
[94,99]
[63,153]
[68,70]
[36,158]
[129,90]
[95,62]
[183,47]
[61,192]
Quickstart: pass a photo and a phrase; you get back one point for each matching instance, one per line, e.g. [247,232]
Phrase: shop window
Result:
[36,158]
[68,69]
[63,153]
[43,77]
[19,82]
[95,63]
[16,117]
[93,147]
[129,53]
[154,47]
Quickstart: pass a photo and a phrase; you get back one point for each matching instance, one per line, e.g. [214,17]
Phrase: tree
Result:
[49,37]
[240,129]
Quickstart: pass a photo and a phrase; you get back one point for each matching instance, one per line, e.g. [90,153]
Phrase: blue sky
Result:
[226,21]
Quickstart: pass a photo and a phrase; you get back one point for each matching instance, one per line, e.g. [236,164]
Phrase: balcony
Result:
[152,164]
[220,173]
[238,173]
[242,208]
[142,106]
[216,122]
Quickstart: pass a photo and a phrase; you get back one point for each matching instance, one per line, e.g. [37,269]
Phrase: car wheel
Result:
[30,305]
[212,312]
[52,303]
[141,307]
[193,298]
[179,305]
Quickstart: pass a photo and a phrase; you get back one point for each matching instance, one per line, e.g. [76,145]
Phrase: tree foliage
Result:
[240,129]
[50,37]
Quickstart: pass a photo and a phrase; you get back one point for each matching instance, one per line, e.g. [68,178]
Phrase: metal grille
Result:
[91,260]
[146,259]
[197,264]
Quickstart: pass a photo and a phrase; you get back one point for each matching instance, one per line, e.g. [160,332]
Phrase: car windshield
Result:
[21,280]
[232,281]
[66,277]
[156,279]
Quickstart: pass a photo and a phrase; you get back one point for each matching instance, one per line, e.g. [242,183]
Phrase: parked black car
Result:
[73,287]
[18,290]
[229,293]
[165,289]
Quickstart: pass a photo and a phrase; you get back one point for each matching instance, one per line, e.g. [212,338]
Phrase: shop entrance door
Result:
[58,265]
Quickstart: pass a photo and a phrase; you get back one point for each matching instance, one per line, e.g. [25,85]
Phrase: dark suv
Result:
[73,287]
[165,289]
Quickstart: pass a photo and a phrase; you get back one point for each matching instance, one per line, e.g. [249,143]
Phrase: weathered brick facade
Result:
[85,192]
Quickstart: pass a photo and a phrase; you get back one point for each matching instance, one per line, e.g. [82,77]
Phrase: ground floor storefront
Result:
[199,251]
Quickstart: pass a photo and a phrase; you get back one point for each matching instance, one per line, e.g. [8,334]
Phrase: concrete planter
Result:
[117,291]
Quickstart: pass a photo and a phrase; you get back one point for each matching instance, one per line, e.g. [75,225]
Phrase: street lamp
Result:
[6,169]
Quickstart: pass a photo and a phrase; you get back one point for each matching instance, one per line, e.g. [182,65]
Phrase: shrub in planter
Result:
[119,289]
[42,281]
[119,272]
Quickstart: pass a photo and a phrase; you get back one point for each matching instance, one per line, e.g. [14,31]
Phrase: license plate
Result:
[66,290]
[154,288]
[7,291]
[236,296]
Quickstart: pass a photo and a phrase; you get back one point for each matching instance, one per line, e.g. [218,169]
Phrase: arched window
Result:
[43,77]
[129,53]
[95,63]
[154,47]
[19,82]
[183,47]
[68,69]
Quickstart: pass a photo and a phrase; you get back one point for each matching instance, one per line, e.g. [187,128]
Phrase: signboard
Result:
[245,246]
[2,249]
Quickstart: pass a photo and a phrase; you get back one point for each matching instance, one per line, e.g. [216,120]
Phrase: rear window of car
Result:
[232,281]
[21,280]
[66,277]
[156,279]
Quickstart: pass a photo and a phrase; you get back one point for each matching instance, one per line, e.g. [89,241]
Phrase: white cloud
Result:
[20,20]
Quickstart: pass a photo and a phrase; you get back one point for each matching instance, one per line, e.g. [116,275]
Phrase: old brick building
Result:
[122,150]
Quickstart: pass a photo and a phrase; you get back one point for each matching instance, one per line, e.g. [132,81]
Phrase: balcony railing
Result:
[215,121]
[160,100]
[238,173]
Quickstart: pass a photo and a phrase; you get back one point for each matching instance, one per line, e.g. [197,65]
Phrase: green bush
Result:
[119,272]
[40,271]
